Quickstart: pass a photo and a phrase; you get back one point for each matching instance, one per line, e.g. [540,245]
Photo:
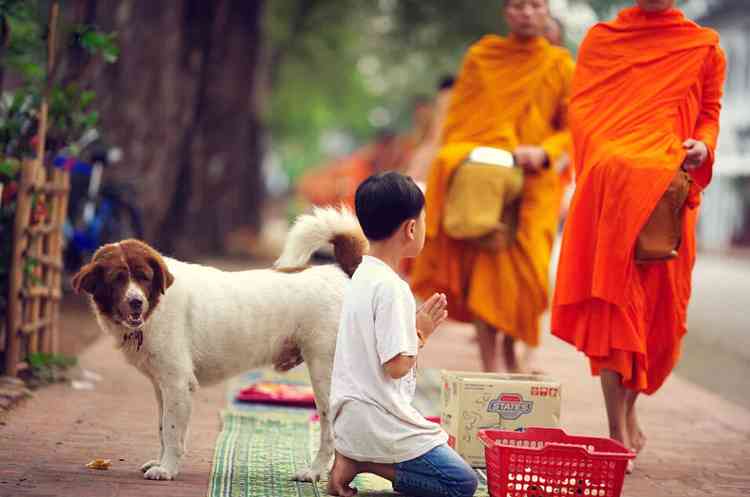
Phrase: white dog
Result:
[185,325]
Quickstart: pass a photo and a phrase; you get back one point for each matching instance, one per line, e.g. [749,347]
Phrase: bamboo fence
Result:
[32,320]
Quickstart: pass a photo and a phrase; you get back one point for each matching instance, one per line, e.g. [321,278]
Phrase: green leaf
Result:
[9,168]
[38,359]
[87,98]
[19,98]
[91,119]
[110,56]
[31,70]
[97,42]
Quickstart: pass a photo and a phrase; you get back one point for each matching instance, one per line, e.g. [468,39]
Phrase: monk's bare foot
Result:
[635,433]
[343,472]
[620,434]
[630,467]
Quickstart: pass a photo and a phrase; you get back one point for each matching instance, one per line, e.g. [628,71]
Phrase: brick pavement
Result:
[698,443]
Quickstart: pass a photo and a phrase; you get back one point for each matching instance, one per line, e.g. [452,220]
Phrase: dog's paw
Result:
[309,475]
[149,465]
[158,473]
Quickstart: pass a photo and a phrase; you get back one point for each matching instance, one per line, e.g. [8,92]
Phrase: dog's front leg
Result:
[320,375]
[177,406]
[160,403]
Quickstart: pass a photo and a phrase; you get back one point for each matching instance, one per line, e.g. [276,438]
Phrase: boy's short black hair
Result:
[384,201]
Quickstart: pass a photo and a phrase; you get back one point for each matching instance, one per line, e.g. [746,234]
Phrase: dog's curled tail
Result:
[312,232]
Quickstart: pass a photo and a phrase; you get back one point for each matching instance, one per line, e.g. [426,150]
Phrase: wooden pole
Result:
[57,210]
[60,179]
[15,283]
[54,12]
[40,243]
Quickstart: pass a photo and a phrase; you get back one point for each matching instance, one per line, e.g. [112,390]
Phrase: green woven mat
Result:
[258,451]
[257,454]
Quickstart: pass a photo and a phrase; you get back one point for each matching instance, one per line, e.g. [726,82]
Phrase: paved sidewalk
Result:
[49,439]
[698,443]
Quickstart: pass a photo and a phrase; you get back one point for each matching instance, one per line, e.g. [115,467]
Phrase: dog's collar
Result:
[136,336]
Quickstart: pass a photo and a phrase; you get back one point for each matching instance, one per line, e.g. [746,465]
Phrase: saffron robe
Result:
[508,93]
[644,83]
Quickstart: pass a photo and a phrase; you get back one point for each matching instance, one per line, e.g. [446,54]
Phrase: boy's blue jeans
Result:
[439,473]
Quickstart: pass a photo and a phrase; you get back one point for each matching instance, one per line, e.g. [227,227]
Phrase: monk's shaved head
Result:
[526,18]
[655,5]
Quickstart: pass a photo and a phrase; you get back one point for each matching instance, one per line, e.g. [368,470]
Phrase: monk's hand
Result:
[531,158]
[430,315]
[697,152]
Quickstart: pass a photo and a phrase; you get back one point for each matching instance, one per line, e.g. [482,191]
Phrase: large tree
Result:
[182,103]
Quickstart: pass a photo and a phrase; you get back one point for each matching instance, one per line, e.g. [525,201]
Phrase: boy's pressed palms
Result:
[431,314]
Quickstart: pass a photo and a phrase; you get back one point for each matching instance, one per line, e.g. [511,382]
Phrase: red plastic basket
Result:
[547,462]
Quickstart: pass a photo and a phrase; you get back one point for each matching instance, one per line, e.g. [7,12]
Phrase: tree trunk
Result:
[182,104]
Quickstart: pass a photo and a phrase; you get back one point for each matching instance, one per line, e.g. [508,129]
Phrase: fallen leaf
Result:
[99,464]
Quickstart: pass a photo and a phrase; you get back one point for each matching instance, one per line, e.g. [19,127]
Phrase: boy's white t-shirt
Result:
[373,419]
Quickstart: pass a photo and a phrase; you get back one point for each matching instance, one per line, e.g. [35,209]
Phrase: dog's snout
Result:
[136,304]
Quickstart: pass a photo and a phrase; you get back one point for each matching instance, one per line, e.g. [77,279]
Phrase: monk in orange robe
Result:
[337,182]
[646,101]
[512,94]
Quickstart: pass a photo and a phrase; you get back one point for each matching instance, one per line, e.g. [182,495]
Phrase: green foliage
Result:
[17,116]
[339,61]
[71,106]
[25,44]
[48,368]
[71,113]
[96,42]
[9,169]
[41,360]
[314,87]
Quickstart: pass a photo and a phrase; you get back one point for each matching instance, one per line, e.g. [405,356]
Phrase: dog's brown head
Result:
[125,280]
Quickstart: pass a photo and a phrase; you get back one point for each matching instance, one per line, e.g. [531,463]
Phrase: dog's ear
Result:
[86,278]
[163,279]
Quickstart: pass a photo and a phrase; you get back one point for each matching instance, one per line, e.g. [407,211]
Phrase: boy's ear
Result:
[411,228]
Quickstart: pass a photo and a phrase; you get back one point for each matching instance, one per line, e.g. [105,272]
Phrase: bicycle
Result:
[98,212]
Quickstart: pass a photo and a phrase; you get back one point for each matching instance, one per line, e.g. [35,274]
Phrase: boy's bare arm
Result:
[429,317]
[400,365]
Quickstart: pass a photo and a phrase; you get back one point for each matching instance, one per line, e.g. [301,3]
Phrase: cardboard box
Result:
[474,401]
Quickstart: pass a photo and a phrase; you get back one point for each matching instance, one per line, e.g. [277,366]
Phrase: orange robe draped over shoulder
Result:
[508,93]
[644,83]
